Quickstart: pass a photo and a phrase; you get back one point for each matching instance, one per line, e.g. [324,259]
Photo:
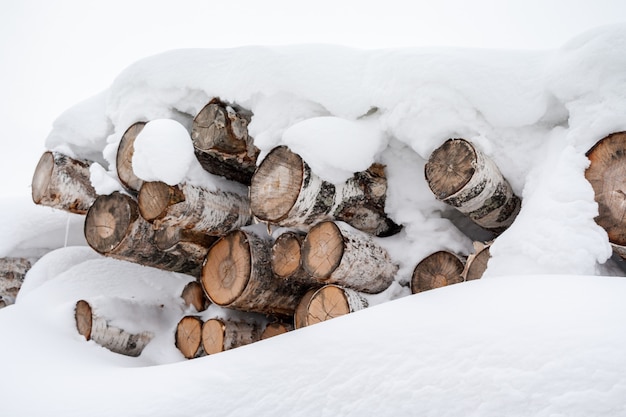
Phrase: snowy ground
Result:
[540,334]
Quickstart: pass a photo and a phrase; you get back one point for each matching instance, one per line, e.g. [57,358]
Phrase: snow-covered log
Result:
[63,183]
[237,274]
[192,207]
[221,141]
[332,301]
[465,178]
[188,337]
[337,253]
[286,192]
[476,263]
[124,158]
[607,175]
[113,227]
[98,323]
[193,296]
[12,273]
[219,335]
[437,270]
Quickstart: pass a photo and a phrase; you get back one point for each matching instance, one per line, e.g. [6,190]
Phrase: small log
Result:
[124,158]
[220,335]
[114,228]
[191,207]
[336,253]
[94,326]
[63,183]
[476,263]
[193,296]
[299,316]
[237,274]
[189,337]
[12,273]
[221,141]
[437,270]
[287,260]
[285,191]
[607,175]
[332,301]
[275,329]
[463,177]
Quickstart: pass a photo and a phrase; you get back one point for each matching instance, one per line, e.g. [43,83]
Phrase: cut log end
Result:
[108,220]
[227,268]
[300,315]
[155,197]
[450,167]
[437,270]
[42,176]
[276,184]
[286,254]
[322,249]
[193,296]
[477,263]
[124,158]
[83,317]
[213,335]
[329,302]
[189,336]
[275,329]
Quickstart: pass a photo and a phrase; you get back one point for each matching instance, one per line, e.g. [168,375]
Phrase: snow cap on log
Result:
[463,177]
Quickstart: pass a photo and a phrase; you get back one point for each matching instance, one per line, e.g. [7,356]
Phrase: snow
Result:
[540,334]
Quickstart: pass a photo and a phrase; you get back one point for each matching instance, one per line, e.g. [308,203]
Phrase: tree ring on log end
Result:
[108,220]
[189,336]
[155,197]
[437,270]
[276,184]
[450,167]
[477,264]
[300,315]
[42,176]
[326,303]
[322,250]
[124,157]
[213,335]
[227,268]
[83,317]
[286,254]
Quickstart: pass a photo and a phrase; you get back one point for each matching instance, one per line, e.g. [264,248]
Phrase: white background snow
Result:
[542,333]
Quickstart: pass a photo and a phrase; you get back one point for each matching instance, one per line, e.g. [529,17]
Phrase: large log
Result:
[476,263]
[437,270]
[237,274]
[607,175]
[465,178]
[332,301]
[336,253]
[221,141]
[285,191]
[63,183]
[192,207]
[124,158]
[99,328]
[114,228]
[188,337]
[219,335]
[12,273]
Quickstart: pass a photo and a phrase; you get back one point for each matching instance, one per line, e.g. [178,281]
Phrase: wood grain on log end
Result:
[83,318]
[275,329]
[437,270]
[108,221]
[189,336]
[276,184]
[300,315]
[332,301]
[155,197]
[213,334]
[476,264]
[42,177]
[450,167]
[607,176]
[286,254]
[322,249]
[124,158]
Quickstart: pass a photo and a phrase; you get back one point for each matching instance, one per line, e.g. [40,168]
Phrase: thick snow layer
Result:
[540,334]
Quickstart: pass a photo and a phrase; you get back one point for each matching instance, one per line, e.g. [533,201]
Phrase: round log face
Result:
[42,176]
[124,157]
[227,268]
[274,329]
[276,184]
[189,336]
[286,254]
[300,315]
[82,315]
[477,265]
[154,199]
[450,167]
[213,334]
[327,303]
[108,220]
[607,175]
[322,249]
[437,270]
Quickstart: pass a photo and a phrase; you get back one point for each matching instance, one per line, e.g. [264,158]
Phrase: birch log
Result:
[94,325]
[607,175]
[63,182]
[114,228]
[332,301]
[476,263]
[237,274]
[285,191]
[219,335]
[463,177]
[221,141]
[193,296]
[287,260]
[437,270]
[124,158]
[12,273]
[336,253]
[191,207]
[188,337]
[299,316]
